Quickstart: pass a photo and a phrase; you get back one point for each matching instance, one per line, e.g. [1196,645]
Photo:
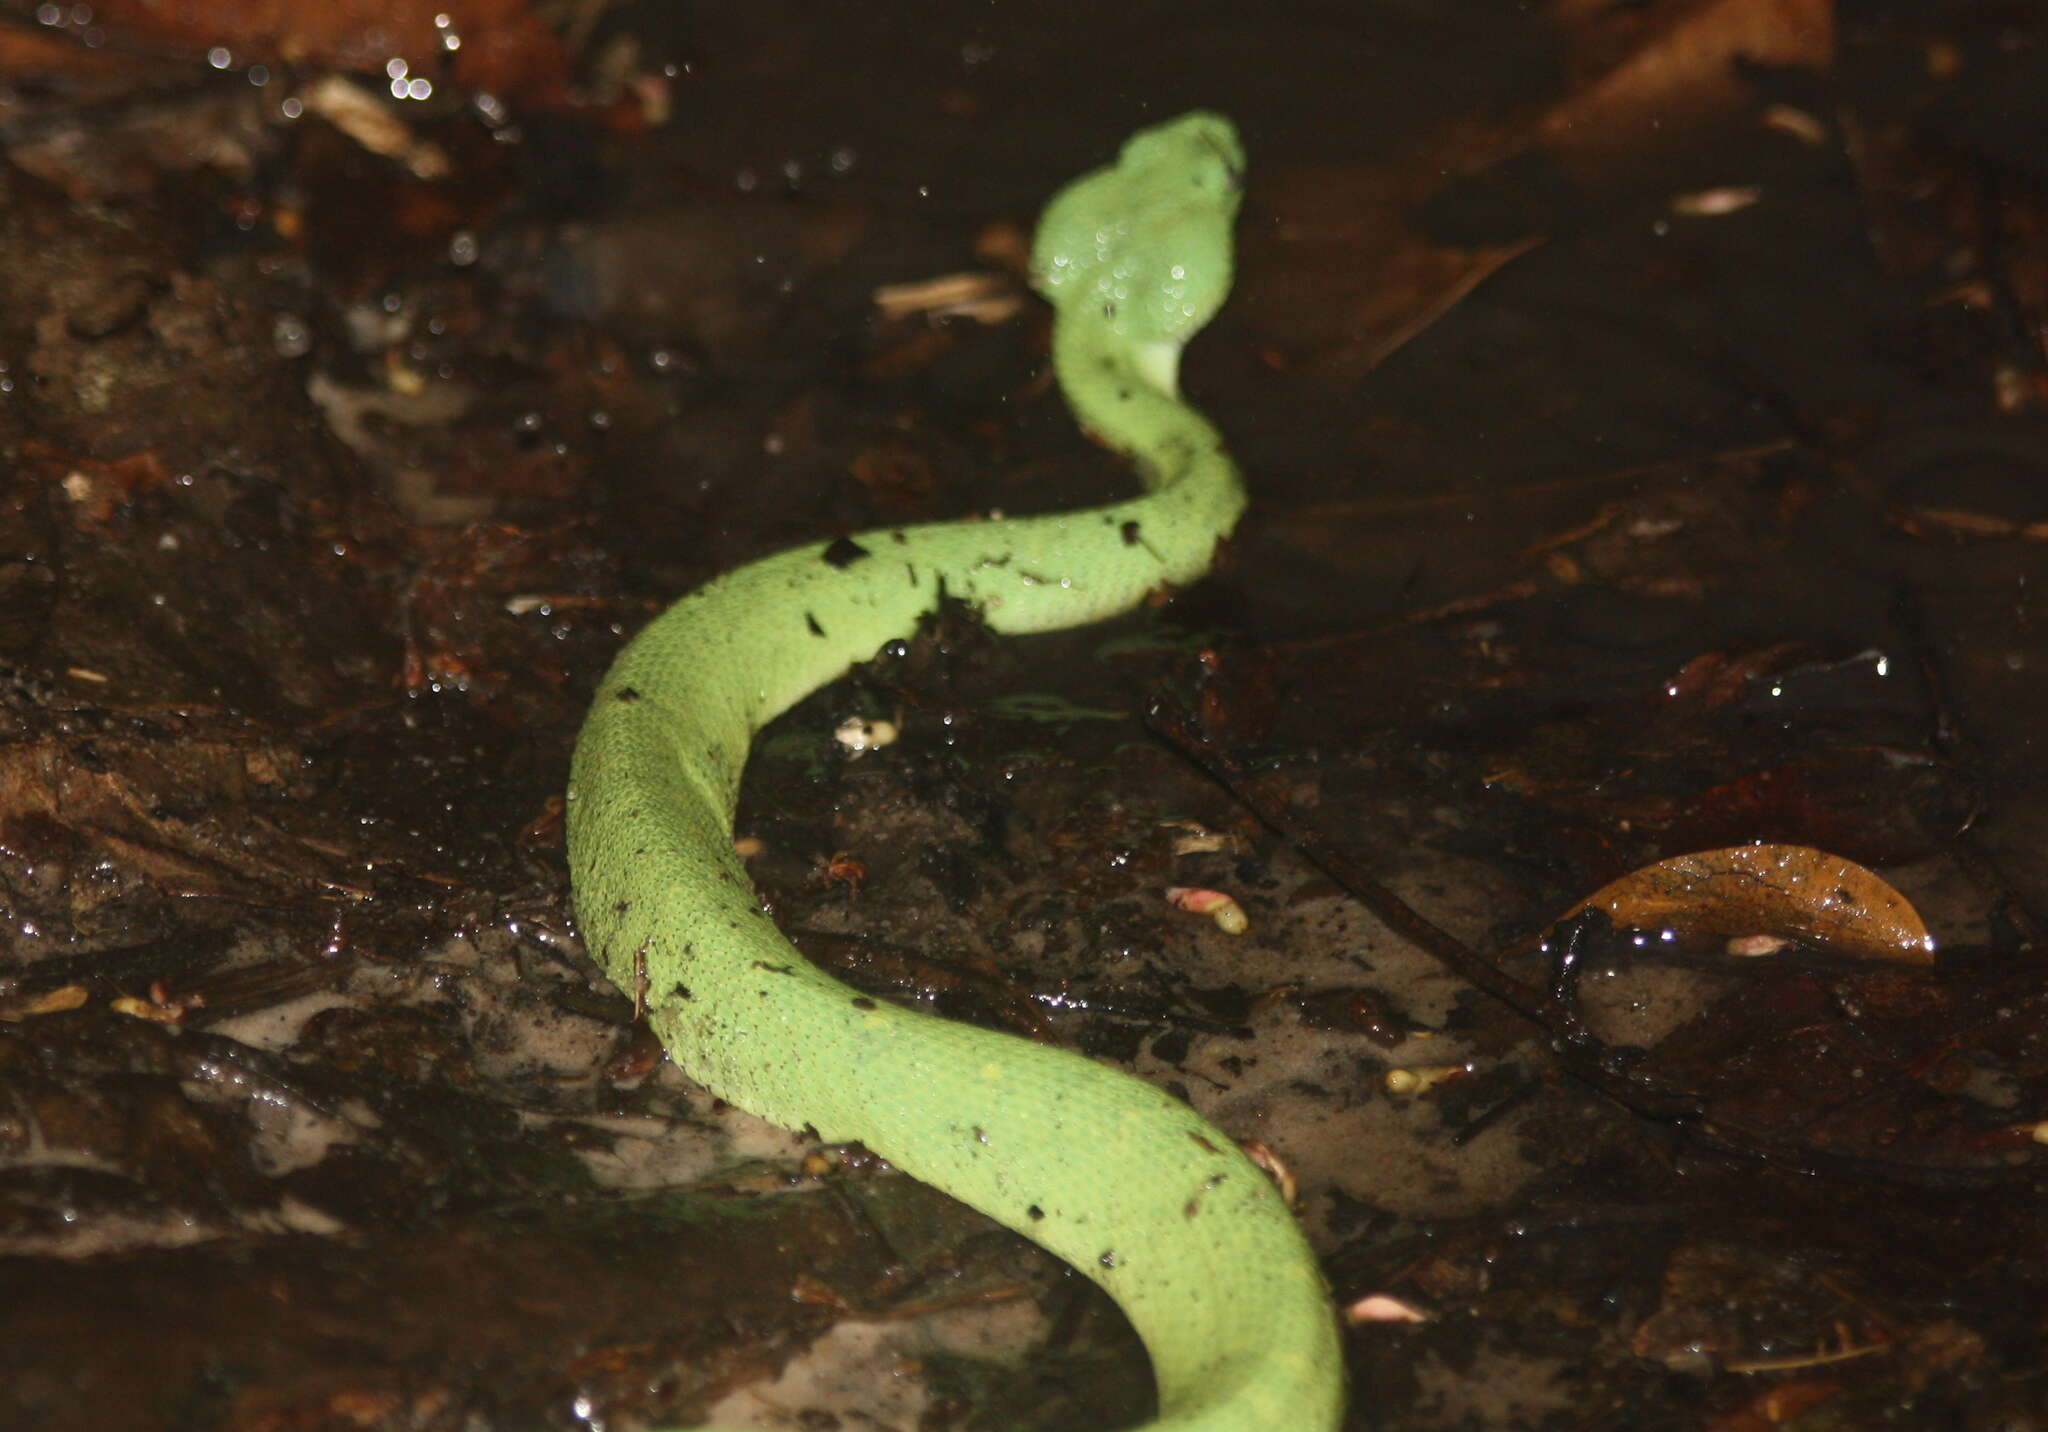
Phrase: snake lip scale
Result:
[1114,1176]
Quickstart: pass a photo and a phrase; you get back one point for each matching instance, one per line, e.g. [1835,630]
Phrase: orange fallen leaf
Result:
[1794,891]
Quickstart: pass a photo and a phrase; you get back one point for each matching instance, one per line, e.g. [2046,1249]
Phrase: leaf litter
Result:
[341,455]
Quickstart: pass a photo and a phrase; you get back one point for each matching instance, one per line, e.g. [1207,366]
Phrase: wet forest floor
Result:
[1647,419]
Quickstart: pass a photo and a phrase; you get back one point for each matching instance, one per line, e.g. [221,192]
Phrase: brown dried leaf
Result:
[1350,282]
[1353,281]
[1793,891]
[1651,72]
[187,818]
[501,45]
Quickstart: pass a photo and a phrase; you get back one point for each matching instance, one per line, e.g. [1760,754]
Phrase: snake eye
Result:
[1227,156]
[1233,169]
[1223,178]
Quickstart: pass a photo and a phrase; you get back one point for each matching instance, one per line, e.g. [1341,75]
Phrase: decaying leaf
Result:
[496,45]
[1350,281]
[1793,891]
[1641,75]
[1354,280]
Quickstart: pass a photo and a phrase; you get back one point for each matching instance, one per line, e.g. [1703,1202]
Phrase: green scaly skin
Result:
[1108,1173]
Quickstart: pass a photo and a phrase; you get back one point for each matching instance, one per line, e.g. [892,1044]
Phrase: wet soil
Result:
[1701,506]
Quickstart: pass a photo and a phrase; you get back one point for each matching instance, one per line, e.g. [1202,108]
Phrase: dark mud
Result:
[331,488]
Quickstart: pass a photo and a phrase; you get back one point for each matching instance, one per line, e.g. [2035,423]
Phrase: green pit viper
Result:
[1116,1177]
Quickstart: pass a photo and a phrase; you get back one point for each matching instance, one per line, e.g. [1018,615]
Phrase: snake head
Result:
[1198,149]
[1145,242]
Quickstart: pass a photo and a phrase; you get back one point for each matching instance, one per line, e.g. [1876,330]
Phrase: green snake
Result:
[1114,1176]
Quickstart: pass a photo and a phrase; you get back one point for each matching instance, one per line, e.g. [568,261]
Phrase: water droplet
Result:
[290,336]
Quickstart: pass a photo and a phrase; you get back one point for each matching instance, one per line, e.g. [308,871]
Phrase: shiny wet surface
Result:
[1712,517]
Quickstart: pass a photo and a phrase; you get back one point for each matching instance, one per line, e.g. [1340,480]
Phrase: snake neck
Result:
[1126,394]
